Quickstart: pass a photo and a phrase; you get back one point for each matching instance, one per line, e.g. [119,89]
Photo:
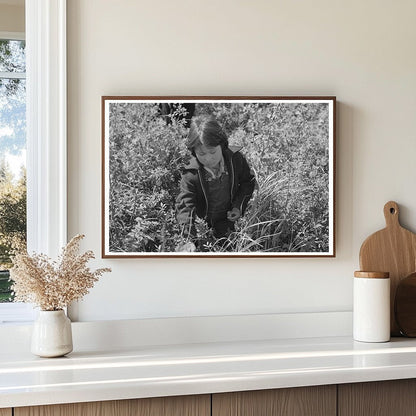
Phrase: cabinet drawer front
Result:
[381,398]
[5,412]
[163,406]
[300,401]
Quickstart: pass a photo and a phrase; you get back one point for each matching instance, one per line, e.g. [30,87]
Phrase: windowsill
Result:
[16,313]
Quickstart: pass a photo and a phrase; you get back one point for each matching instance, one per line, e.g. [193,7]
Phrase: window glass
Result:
[12,157]
[12,56]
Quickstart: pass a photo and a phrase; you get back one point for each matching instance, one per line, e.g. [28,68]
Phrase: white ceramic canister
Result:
[371,309]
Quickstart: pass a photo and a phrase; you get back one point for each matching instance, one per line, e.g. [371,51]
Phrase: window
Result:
[12,166]
[12,153]
[46,135]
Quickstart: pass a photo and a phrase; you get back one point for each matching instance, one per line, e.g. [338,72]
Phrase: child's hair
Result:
[206,130]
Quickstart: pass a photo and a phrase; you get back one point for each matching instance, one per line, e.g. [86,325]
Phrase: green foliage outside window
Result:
[12,224]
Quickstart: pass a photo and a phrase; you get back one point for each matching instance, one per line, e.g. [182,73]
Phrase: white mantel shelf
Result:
[167,370]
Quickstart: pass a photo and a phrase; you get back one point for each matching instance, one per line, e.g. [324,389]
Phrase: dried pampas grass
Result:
[53,285]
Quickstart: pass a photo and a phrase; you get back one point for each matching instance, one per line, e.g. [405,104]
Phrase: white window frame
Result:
[14,312]
[46,133]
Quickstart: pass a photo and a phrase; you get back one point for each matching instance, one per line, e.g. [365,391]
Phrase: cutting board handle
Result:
[391,214]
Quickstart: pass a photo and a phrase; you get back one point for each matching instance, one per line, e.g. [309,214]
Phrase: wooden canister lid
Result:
[372,275]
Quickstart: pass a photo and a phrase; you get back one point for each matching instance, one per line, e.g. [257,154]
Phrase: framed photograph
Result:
[218,176]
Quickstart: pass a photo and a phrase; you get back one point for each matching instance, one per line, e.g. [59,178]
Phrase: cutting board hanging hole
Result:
[391,213]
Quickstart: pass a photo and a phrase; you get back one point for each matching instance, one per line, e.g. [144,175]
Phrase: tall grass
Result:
[256,232]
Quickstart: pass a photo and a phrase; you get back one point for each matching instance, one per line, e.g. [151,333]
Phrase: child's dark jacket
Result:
[192,200]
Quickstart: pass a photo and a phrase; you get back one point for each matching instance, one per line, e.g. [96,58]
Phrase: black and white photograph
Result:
[218,176]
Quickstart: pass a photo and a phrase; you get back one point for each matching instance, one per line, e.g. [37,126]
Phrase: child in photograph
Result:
[216,185]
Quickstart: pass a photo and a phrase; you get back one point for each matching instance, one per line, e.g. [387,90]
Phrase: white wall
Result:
[12,18]
[363,52]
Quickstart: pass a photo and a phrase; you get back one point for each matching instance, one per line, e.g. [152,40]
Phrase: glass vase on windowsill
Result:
[52,286]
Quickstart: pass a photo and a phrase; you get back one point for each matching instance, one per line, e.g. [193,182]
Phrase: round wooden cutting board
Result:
[405,306]
[393,250]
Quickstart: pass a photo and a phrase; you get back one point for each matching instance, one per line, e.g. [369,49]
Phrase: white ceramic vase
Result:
[52,334]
